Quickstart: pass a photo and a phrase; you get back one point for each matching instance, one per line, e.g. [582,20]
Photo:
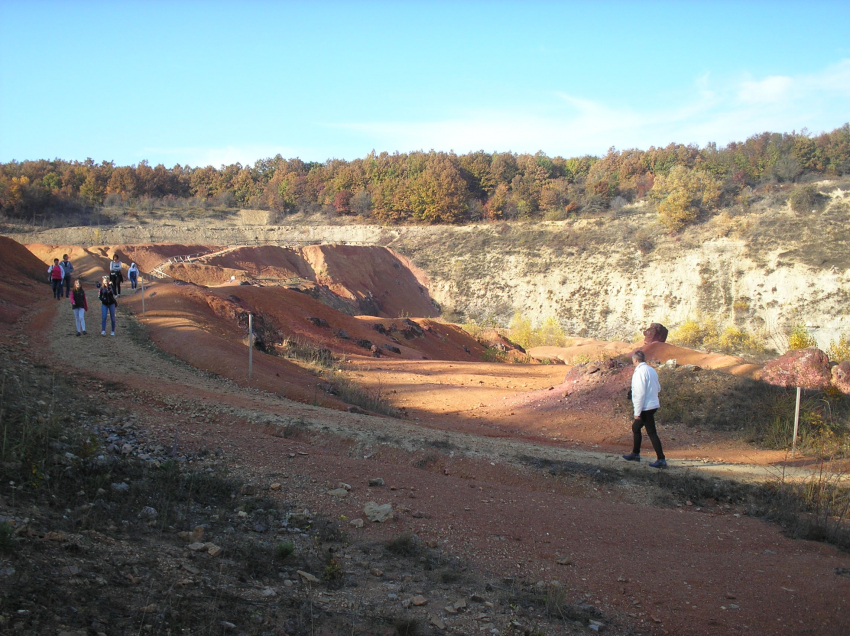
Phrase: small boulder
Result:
[378,513]
[841,376]
[656,332]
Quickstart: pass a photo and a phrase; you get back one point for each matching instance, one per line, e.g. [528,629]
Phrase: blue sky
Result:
[208,83]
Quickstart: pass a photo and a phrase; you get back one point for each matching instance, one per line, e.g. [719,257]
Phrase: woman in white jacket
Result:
[645,390]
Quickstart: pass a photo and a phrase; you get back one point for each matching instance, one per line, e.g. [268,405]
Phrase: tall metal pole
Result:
[143,295]
[796,423]
[250,345]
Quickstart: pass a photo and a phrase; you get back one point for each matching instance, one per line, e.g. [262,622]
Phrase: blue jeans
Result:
[57,287]
[104,309]
[134,279]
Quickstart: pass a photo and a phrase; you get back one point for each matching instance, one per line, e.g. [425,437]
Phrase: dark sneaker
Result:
[659,463]
[632,457]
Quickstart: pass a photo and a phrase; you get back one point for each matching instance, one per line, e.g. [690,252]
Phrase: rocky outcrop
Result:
[805,368]
[655,333]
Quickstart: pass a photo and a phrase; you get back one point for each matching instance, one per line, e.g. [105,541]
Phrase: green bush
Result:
[805,199]
[283,550]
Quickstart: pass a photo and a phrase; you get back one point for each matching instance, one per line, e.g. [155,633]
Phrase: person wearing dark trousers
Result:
[115,275]
[67,269]
[645,390]
[106,295]
[57,276]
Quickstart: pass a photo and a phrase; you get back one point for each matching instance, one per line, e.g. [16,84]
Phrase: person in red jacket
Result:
[80,306]
[57,275]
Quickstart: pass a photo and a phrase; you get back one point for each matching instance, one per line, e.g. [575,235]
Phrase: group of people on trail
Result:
[60,275]
[109,289]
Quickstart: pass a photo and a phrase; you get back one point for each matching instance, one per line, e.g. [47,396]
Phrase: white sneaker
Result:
[102,333]
[112,334]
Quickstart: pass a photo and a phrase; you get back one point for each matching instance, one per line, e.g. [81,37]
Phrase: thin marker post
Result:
[250,345]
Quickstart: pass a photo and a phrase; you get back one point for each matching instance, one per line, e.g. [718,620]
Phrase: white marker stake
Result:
[250,344]
[796,423]
[143,295]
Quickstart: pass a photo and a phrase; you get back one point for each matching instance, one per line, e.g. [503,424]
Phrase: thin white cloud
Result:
[770,89]
[571,125]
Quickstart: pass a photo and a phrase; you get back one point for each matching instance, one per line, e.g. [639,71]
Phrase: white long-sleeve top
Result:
[645,388]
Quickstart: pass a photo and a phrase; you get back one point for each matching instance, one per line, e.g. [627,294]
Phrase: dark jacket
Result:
[107,295]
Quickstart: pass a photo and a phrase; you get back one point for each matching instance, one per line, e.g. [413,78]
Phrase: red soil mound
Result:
[207,327]
[23,280]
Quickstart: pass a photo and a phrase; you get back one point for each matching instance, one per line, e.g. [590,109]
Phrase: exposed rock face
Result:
[806,368]
[841,376]
[655,333]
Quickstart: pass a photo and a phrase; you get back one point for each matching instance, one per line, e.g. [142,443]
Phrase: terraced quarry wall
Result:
[605,277]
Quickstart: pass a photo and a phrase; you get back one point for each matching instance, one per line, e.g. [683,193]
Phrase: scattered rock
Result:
[357,523]
[148,513]
[377,513]
[275,486]
[564,561]
[196,547]
[841,376]
[437,622]
[214,550]
[122,487]
[376,482]
[319,322]
[418,600]
[343,335]
[197,534]
[308,578]
[341,493]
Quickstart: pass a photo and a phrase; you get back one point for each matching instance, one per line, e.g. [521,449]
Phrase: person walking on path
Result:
[645,390]
[56,278]
[106,295]
[115,274]
[133,275]
[79,305]
[67,268]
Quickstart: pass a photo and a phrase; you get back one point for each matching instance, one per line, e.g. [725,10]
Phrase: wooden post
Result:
[250,345]
[796,423]
[141,278]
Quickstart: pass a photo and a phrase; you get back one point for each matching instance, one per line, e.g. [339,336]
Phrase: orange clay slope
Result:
[23,280]
[207,328]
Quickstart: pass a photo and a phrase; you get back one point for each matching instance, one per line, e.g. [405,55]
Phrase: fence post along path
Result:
[250,345]
[802,368]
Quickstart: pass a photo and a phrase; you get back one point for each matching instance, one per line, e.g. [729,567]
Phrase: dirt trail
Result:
[679,570]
